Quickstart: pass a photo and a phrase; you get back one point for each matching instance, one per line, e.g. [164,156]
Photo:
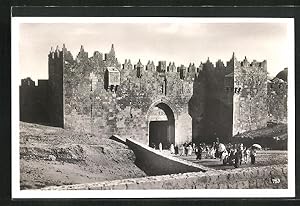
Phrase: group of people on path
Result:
[220,150]
[238,152]
[185,149]
[216,150]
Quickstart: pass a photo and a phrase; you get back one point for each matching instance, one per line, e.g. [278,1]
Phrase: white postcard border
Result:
[191,193]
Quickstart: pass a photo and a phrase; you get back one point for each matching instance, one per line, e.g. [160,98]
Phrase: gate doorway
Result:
[161,126]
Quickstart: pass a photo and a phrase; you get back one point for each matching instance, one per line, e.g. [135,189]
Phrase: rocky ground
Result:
[54,156]
[271,137]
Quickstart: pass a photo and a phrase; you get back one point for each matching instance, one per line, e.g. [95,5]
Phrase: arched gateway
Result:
[161,124]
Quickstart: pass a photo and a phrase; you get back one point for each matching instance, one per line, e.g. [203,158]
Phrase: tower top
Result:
[233,55]
[81,48]
[112,50]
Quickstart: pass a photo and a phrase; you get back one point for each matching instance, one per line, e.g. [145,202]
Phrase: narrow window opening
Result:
[91,110]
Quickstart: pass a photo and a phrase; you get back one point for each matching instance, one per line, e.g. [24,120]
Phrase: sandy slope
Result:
[54,156]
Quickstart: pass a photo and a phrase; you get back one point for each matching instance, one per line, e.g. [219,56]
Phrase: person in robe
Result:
[160,147]
[172,149]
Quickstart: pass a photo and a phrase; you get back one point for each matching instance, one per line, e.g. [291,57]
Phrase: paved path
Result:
[264,158]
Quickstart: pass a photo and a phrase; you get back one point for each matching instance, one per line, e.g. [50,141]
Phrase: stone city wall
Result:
[277,100]
[86,94]
[122,109]
[34,101]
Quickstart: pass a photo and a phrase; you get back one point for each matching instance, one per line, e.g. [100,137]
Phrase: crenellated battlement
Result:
[184,72]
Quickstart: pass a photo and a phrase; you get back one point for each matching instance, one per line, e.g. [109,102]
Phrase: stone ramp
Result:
[154,162]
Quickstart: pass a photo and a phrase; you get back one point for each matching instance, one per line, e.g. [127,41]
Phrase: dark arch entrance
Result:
[162,131]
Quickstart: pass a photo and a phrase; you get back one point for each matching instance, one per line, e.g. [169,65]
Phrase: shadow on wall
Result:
[33,101]
[211,107]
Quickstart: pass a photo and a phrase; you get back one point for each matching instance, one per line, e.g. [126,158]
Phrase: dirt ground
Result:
[54,156]
[51,156]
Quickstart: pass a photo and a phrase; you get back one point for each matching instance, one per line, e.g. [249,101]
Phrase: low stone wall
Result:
[268,177]
[154,162]
[118,139]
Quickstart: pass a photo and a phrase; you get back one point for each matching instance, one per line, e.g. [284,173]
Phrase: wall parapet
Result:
[267,177]
[154,162]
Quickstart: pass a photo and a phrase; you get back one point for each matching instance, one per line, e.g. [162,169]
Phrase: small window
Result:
[91,110]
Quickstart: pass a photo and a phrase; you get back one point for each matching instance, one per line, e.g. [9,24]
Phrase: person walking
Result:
[199,153]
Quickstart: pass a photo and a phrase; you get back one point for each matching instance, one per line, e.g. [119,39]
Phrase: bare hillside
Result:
[54,156]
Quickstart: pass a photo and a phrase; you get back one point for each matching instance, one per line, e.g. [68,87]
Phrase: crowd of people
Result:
[215,150]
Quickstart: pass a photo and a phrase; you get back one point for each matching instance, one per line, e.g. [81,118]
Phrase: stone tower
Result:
[56,96]
[250,109]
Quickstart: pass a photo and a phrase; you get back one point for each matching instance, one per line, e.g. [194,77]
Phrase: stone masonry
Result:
[196,103]
[267,177]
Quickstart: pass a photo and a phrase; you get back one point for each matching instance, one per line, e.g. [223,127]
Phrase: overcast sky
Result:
[179,42]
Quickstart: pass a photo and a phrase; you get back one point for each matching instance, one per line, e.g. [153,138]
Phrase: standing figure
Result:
[182,150]
[160,147]
[194,146]
[153,145]
[207,151]
[199,153]
[176,150]
[172,149]
[241,152]
[246,155]
[216,147]
[223,155]
[213,152]
[186,149]
[252,155]
[189,150]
